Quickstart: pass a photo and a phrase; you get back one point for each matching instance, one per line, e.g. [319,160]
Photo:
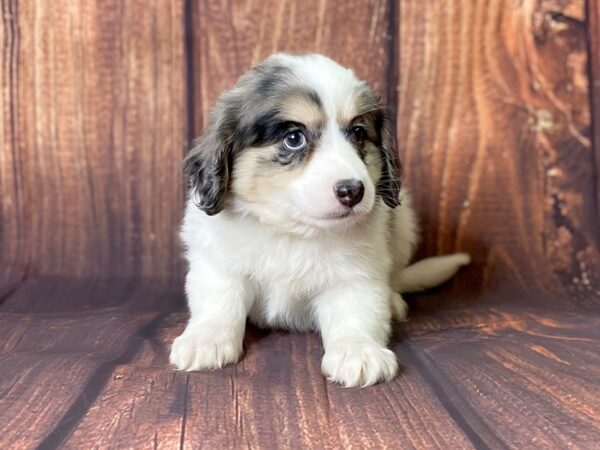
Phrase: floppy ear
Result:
[207,165]
[388,186]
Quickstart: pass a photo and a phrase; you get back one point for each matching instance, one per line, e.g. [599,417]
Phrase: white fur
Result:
[429,272]
[286,265]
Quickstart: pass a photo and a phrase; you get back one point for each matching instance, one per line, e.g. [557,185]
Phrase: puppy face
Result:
[299,143]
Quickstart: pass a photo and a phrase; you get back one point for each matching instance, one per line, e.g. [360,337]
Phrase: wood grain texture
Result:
[475,378]
[52,364]
[260,403]
[281,372]
[494,129]
[98,101]
[231,36]
[60,295]
[13,210]
[520,379]
[94,124]
[593,28]
[142,404]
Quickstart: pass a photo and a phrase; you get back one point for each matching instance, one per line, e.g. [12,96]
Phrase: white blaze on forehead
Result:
[335,159]
[336,86]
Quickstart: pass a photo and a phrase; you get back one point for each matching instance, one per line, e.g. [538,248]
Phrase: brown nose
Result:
[349,192]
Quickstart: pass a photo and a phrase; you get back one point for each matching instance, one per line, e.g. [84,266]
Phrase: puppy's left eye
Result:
[295,141]
[357,134]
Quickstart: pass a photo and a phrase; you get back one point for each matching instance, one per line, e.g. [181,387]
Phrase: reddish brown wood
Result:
[94,129]
[142,404]
[593,28]
[59,295]
[52,364]
[527,379]
[470,378]
[494,129]
[261,403]
[230,37]
[13,209]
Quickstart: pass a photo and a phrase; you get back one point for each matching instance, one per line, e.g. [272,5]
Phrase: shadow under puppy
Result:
[296,219]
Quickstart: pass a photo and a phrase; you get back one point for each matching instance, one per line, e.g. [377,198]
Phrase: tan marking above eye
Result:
[361,101]
[299,108]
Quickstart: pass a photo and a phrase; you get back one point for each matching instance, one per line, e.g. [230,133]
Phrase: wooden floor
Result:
[83,364]
[497,111]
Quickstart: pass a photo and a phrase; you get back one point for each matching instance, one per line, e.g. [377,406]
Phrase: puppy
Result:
[296,219]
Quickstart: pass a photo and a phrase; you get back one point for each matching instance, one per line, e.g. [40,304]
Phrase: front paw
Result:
[204,347]
[359,363]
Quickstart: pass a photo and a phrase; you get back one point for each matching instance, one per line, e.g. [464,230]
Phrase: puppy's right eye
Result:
[294,141]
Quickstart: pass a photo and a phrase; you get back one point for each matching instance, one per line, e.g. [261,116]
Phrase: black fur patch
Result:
[388,186]
[248,115]
[380,133]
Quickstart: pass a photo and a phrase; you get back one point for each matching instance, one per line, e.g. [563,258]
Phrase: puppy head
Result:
[298,143]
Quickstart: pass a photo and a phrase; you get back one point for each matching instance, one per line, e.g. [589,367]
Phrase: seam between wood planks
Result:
[188,47]
[12,290]
[185,407]
[97,382]
[453,402]
[392,76]
[592,41]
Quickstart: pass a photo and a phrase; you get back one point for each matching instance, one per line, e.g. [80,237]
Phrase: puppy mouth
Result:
[342,215]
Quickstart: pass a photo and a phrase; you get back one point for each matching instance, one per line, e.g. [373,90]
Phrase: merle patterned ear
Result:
[207,165]
[389,184]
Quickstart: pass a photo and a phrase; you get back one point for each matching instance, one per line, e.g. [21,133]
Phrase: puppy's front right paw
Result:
[359,364]
[206,348]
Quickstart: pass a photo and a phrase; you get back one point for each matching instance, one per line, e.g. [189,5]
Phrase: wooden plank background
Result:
[494,128]
[93,130]
[493,119]
[497,106]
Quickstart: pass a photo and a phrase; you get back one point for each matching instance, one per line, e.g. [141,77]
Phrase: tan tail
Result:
[429,272]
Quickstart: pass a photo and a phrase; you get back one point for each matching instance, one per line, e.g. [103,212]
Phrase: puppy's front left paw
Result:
[359,364]
[206,348]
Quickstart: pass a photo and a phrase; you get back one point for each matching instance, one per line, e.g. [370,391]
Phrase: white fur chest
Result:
[287,271]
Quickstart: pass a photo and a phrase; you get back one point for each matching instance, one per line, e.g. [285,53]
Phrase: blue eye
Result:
[295,141]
